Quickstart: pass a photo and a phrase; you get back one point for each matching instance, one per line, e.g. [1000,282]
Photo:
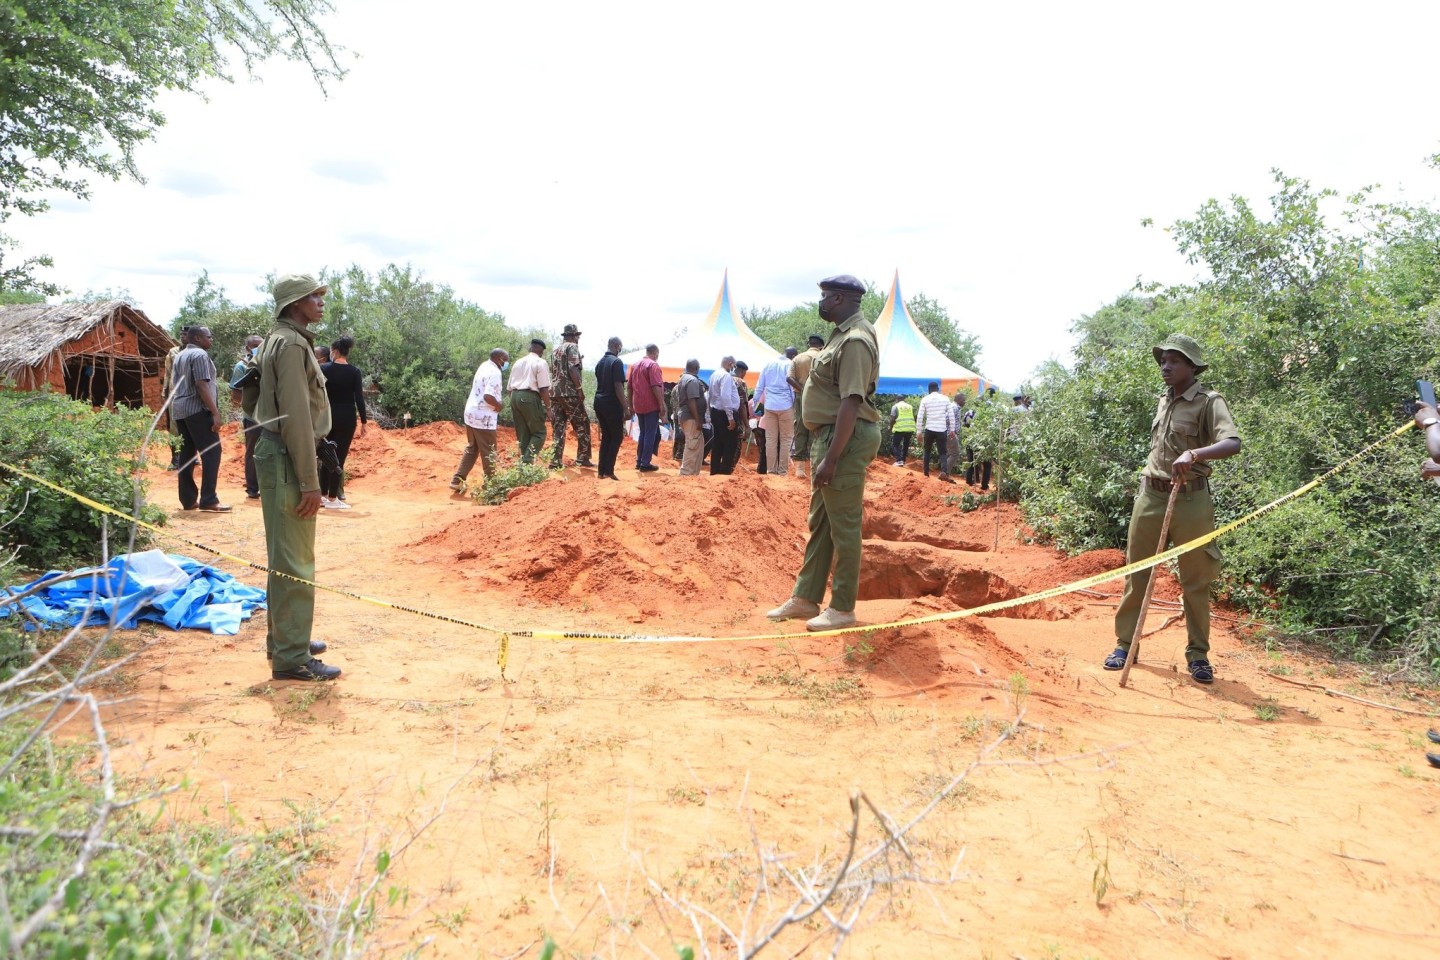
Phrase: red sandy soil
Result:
[1252,818]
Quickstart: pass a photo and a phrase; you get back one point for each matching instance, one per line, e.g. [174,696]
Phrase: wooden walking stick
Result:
[1134,650]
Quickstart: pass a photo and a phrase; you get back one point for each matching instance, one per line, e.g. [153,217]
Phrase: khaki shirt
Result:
[800,366]
[848,366]
[292,401]
[1197,418]
[167,379]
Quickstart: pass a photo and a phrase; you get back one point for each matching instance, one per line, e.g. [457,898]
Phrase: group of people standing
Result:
[191,386]
[941,424]
[834,402]
[709,417]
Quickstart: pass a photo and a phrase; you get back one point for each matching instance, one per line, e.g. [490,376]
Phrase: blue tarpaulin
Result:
[155,586]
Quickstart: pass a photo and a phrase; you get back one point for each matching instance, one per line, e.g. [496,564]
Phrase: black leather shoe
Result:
[1434,759]
[1433,735]
[583,463]
[314,670]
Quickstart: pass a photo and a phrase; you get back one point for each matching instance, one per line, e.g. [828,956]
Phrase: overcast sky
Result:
[605,163]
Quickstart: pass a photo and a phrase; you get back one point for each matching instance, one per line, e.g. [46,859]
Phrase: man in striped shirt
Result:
[933,423]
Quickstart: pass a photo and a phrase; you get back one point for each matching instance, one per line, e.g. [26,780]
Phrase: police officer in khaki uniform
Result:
[1191,428]
[294,414]
[799,373]
[568,404]
[844,425]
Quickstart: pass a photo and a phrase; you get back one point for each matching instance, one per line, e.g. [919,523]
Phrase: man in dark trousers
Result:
[611,406]
[195,406]
[1192,427]
[295,412]
[724,418]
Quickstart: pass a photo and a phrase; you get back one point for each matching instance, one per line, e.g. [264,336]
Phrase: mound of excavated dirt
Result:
[568,541]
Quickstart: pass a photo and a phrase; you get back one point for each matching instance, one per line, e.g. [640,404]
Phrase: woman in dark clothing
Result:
[345,387]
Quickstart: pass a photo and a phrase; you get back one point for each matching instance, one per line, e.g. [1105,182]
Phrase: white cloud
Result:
[555,161]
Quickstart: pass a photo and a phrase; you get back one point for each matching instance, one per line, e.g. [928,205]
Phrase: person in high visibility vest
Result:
[902,430]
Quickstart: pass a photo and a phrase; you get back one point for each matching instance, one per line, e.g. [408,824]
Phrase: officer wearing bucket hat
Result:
[294,414]
[568,400]
[839,409]
[1192,427]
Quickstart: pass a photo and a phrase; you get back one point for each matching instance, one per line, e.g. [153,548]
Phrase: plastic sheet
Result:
[154,586]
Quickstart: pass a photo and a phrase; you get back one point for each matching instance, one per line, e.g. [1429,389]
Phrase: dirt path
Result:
[1252,818]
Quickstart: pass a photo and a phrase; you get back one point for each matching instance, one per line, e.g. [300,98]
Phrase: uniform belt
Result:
[1189,486]
[523,390]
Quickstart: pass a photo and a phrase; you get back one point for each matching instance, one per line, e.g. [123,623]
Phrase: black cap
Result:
[537,342]
[816,338]
[842,282]
[741,365]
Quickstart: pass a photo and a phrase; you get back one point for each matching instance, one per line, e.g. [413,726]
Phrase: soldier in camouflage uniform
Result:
[567,400]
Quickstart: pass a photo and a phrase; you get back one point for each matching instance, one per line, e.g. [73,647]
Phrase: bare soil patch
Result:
[1250,818]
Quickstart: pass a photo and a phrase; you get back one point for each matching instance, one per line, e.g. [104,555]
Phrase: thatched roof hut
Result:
[105,352]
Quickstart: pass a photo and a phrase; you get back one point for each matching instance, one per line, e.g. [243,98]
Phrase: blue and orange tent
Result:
[909,362]
[721,334]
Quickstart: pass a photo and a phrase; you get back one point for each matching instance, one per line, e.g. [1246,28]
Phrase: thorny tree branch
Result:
[839,894]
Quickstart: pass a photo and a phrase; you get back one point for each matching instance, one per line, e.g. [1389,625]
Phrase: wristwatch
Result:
[1428,422]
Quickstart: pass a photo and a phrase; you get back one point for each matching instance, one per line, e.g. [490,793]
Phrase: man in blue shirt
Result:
[775,402]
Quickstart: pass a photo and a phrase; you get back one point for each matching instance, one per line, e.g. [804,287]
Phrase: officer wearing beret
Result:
[1192,427]
[294,414]
[840,412]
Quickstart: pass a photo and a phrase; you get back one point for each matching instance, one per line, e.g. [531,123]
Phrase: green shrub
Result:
[153,890]
[92,453]
[497,488]
[1315,336]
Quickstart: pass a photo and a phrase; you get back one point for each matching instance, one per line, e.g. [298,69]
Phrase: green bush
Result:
[1315,336]
[497,488]
[92,453]
[151,890]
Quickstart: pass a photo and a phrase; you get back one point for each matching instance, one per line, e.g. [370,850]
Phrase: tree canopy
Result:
[79,80]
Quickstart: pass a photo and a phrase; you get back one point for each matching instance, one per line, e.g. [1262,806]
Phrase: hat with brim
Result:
[295,286]
[1183,345]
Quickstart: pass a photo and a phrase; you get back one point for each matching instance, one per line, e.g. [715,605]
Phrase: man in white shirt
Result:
[724,419]
[775,398]
[953,425]
[482,417]
[933,422]
[530,400]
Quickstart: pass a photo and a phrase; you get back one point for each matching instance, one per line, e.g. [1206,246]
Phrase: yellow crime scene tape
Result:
[502,658]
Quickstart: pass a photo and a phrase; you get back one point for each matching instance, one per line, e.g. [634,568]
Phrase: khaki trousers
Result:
[836,512]
[694,448]
[478,443]
[289,549]
[779,427]
[1194,516]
